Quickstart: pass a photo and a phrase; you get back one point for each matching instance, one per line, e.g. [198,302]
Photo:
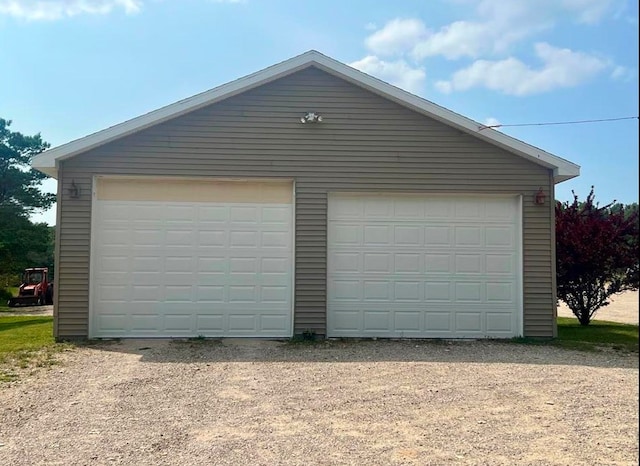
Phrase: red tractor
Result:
[35,288]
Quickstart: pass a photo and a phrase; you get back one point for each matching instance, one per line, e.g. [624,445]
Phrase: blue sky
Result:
[72,67]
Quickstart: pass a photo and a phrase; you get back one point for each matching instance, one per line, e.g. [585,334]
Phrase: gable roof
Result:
[47,161]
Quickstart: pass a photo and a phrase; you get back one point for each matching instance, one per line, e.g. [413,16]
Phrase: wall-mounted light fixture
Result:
[74,190]
[539,197]
[311,117]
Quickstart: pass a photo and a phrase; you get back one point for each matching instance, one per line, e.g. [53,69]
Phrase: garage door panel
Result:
[376,321]
[500,237]
[376,290]
[112,293]
[437,292]
[178,322]
[468,292]
[499,323]
[210,293]
[438,323]
[213,216]
[406,263]
[347,290]
[240,215]
[501,292]
[468,209]
[115,279]
[116,236]
[243,239]
[377,235]
[438,236]
[212,264]
[380,208]
[346,234]
[274,294]
[408,321]
[423,266]
[346,322]
[438,209]
[408,291]
[438,263]
[165,268]
[409,209]
[344,262]
[468,236]
[275,239]
[500,264]
[274,265]
[468,263]
[377,262]
[211,323]
[113,322]
[407,235]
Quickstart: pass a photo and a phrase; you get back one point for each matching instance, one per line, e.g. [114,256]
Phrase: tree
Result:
[19,183]
[22,243]
[596,253]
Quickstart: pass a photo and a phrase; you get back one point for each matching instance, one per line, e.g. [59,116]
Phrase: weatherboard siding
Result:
[365,143]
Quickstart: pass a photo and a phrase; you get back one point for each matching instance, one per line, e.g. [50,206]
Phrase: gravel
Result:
[157,402]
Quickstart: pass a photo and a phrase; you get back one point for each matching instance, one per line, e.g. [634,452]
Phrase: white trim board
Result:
[48,161]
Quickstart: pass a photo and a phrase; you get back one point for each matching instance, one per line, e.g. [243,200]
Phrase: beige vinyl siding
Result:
[365,143]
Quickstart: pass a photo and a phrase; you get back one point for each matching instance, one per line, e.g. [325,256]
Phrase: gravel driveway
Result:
[142,402]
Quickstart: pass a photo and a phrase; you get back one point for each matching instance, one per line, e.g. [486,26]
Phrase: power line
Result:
[575,122]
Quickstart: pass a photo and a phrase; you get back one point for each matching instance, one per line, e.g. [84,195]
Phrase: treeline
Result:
[22,243]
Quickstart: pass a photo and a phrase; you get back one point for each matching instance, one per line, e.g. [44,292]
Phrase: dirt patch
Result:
[623,309]
[370,402]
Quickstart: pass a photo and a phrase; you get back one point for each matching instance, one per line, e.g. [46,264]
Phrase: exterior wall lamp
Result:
[540,197]
[311,117]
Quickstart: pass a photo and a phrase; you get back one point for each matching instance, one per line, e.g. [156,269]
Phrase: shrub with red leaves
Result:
[596,253]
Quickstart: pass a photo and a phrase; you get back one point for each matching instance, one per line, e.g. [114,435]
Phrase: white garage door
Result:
[417,266]
[175,258]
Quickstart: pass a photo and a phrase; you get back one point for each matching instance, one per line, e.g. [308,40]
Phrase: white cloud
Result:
[57,9]
[444,86]
[560,68]
[455,40]
[397,36]
[622,73]
[398,73]
[493,27]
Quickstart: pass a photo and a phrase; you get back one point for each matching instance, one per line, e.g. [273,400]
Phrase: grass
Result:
[26,342]
[597,335]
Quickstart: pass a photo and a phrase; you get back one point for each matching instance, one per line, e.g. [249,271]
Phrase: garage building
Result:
[306,197]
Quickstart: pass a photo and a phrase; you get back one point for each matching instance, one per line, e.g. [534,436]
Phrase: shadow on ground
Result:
[23,323]
[358,351]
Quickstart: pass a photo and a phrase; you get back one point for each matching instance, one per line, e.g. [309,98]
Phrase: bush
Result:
[596,254]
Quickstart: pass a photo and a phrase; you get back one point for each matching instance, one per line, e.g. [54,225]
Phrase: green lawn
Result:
[598,333]
[26,341]
[25,333]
